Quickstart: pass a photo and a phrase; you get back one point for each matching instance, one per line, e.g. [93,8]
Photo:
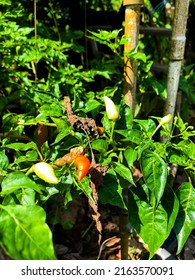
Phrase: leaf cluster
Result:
[37,72]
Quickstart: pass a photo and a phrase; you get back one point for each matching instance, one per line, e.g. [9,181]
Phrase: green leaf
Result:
[30,156]
[177,157]
[124,39]
[50,191]
[111,190]
[153,224]
[187,148]
[180,124]
[185,221]
[84,186]
[133,135]
[154,171]
[138,56]
[27,197]
[123,171]
[126,118]
[24,197]
[51,110]
[104,35]
[130,156]
[24,233]
[5,2]
[100,145]
[22,146]
[17,180]
[62,135]
[91,105]
[148,126]
[159,88]
[61,123]
[107,124]
[4,161]
[103,73]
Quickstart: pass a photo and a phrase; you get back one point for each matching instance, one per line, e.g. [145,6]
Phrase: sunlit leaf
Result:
[4,161]
[17,180]
[185,221]
[22,146]
[154,171]
[152,223]
[24,233]
[148,126]
[100,145]
[124,172]
[84,186]
[111,190]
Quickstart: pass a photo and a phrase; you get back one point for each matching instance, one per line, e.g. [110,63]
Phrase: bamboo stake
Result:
[132,23]
[34,63]
[176,56]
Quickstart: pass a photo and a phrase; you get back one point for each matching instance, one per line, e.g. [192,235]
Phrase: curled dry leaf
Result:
[88,125]
[112,243]
[97,172]
[71,156]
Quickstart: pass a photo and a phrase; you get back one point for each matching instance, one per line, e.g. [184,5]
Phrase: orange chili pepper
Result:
[100,130]
[82,163]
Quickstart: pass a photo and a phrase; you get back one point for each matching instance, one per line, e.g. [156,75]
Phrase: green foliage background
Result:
[44,62]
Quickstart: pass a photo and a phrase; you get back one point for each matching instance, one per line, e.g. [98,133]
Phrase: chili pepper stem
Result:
[164,120]
[40,155]
[160,124]
[112,133]
[30,170]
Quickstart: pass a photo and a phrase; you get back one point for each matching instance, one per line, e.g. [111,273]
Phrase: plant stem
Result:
[47,124]
[30,170]
[112,131]
[40,155]
[124,234]
[18,137]
[156,129]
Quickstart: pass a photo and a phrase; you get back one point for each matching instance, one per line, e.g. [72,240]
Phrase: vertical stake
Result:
[132,23]
[177,47]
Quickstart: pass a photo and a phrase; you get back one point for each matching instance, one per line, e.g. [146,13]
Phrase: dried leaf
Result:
[86,124]
[71,156]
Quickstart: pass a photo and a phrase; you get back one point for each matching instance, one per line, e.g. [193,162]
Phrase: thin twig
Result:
[13,136]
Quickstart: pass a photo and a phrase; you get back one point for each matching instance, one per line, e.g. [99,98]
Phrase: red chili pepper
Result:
[82,163]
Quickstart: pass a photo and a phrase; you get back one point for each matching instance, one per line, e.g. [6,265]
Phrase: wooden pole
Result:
[132,24]
[176,55]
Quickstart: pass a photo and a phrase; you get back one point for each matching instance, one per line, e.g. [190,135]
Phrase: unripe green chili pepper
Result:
[82,163]
[45,172]
[111,109]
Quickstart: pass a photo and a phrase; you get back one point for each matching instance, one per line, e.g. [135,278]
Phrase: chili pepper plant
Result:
[61,136]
